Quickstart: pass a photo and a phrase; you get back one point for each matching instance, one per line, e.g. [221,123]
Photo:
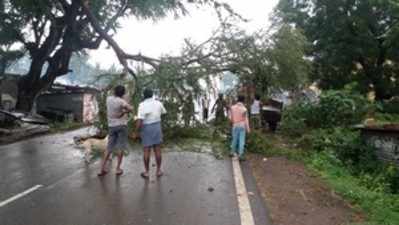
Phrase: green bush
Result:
[258,143]
[293,120]
[391,106]
[384,179]
[170,120]
[347,146]
[335,108]
[338,108]
[181,132]
[386,118]
[367,191]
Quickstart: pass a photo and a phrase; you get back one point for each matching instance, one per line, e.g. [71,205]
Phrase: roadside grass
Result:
[380,208]
[64,126]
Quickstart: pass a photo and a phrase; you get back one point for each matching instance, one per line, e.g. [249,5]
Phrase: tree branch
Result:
[151,61]
[97,27]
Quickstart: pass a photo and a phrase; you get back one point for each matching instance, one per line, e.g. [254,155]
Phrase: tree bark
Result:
[26,94]
[61,35]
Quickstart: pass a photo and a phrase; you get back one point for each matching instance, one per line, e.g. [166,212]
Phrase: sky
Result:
[167,35]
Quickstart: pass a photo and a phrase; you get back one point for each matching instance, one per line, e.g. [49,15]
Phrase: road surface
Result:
[45,181]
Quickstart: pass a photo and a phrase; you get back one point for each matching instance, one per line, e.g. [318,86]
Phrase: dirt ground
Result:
[296,197]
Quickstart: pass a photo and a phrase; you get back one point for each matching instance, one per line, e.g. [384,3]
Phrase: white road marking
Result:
[20,195]
[242,195]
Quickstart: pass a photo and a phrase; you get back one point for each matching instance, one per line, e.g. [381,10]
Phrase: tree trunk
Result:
[26,95]
[25,102]
[380,84]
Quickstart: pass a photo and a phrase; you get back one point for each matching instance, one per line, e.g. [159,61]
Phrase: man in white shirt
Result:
[149,124]
[117,109]
[256,120]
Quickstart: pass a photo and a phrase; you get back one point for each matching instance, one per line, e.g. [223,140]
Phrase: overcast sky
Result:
[166,36]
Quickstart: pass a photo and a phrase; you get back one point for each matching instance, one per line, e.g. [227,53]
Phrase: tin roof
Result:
[69,89]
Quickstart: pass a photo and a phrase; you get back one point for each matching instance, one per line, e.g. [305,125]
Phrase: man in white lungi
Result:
[149,124]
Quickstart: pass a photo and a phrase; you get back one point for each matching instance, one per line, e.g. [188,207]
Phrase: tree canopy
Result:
[51,31]
[273,60]
[352,41]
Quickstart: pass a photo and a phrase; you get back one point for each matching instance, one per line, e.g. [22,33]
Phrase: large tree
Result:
[269,60]
[352,41]
[52,30]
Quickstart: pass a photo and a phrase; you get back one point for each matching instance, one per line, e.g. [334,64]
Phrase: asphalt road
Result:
[197,189]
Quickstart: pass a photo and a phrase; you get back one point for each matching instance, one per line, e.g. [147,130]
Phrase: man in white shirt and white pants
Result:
[149,124]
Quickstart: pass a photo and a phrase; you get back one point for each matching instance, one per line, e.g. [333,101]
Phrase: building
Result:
[70,103]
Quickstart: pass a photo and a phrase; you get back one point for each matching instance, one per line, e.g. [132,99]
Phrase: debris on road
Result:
[16,126]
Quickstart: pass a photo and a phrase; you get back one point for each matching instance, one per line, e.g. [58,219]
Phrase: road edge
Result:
[244,206]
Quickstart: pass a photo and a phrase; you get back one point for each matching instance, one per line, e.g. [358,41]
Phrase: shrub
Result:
[338,108]
[391,106]
[335,108]
[347,146]
[384,179]
[387,118]
[293,120]
[348,149]
[258,143]
[366,191]
[181,132]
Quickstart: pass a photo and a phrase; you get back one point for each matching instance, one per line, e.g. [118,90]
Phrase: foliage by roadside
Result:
[365,191]
[386,118]
[271,145]
[322,136]
[201,138]
[371,191]
[64,126]
[335,108]
[327,126]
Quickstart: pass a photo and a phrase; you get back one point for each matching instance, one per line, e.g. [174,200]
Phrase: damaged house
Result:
[70,103]
[58,103]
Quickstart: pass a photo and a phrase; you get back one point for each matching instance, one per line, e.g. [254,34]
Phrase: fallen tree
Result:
[51,31]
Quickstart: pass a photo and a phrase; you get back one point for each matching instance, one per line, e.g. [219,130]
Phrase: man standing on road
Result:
[117,110]
[240,124]
[149,124]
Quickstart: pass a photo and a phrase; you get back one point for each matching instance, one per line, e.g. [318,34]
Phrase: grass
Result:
[64,126]
[381,208]
[386,118]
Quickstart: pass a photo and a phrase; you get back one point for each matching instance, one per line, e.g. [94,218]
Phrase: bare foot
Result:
[119,172]
[102,173]
[144,175]
[159,174]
